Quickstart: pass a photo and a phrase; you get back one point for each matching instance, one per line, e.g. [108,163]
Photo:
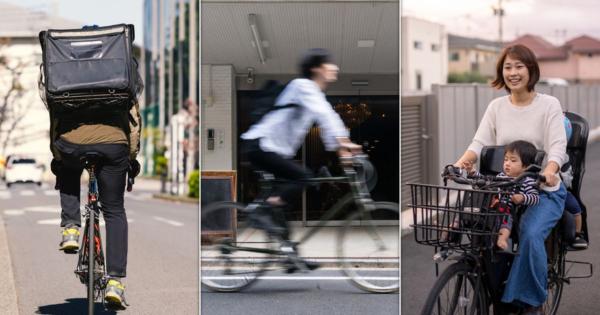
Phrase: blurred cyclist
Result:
[271,143]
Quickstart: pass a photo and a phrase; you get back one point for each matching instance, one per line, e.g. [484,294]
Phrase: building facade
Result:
[234,68]
[424,54]
[24,120]
[169,65]
[472,55]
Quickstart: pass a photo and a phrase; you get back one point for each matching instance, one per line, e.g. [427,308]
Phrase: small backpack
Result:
[265,100]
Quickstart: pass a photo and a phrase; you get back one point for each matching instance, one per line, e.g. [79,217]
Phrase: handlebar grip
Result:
[130,182]
[542,178]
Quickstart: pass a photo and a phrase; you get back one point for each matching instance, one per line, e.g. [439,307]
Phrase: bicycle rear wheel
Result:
[231,262]
[454,293]
[368,247]
[91,260]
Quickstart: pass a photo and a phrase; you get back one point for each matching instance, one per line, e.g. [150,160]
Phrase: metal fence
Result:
[448,118]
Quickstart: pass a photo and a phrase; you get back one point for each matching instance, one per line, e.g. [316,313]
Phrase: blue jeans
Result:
[528,278]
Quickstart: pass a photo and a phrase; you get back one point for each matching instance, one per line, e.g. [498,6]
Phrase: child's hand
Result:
[517,199]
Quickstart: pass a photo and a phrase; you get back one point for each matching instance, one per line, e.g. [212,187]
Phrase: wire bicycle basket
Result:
[455,218]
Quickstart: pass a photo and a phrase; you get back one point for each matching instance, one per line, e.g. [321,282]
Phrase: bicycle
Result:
[91,267]
[234,262]
[474,282]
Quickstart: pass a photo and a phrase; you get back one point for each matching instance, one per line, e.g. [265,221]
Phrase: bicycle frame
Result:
[359,195]
[92,231]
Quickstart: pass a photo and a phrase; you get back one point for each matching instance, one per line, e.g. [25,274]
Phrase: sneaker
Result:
[70,239]
[579,242]
[114,295]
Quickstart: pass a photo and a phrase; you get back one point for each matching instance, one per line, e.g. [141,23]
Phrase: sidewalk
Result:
[8,292]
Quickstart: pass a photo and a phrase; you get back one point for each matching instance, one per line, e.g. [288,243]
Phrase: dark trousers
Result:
[111,176]
[279,167]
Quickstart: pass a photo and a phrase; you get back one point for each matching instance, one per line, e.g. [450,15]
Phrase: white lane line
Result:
[4,194]
[303,278]
[27,193]
[51,192]
[167,221]
[14,212]
[48,209]
[57,222]
[142,196]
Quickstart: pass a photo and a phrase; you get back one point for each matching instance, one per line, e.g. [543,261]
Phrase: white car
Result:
[23,170]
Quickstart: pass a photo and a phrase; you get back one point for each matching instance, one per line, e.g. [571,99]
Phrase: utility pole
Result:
[499,11]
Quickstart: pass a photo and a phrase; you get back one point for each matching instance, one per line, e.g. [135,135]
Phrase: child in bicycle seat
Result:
[518,156]
[571,203]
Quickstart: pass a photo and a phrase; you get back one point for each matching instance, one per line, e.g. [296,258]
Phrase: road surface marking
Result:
[49,209]
[27,193]
[57,222]
[14,212]
[51,192]
[167,221]
[304,278]
[4,194]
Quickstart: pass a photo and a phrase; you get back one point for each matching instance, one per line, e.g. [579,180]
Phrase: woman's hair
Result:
[313,58]
[525,150]
[527,57]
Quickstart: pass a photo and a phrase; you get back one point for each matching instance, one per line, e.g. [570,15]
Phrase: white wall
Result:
[218,112]
[31,134]
[433,65]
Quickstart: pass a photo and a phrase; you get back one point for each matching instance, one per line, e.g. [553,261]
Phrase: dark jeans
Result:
[571,204]
[111,175]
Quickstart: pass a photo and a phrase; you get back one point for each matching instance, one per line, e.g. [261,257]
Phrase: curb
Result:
[175,198]
[8,291]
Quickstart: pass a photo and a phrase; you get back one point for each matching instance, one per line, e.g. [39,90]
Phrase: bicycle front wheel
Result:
[232,251]
[369,249]
[456,292]
[556,272]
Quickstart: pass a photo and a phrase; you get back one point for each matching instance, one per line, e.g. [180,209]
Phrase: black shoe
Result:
[293,263]
[262,218]
[579,242]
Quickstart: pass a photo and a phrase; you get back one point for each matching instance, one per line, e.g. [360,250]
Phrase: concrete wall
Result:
[218,113]
[432,65]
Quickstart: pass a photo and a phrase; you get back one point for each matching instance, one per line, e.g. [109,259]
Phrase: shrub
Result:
[194,184]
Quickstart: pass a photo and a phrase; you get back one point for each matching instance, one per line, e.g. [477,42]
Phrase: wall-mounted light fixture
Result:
[256,37]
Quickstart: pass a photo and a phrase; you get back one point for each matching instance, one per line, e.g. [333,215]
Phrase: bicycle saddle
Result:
[91,157]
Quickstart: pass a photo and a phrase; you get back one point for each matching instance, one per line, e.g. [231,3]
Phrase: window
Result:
[418,45]
[419,81]
[435,47]
[454,56]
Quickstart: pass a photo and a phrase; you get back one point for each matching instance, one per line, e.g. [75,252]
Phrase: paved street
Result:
[162,261]
[581,297]
[321,292]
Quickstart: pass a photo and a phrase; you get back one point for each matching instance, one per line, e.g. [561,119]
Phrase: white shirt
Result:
[283,131]
[540,123]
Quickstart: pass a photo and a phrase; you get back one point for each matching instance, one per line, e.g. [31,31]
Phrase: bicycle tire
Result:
[91,261]
[461,271]
[375,267]
[223,267]
[556,274]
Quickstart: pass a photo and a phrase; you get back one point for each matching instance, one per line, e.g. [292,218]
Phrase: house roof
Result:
[542,49]
[584,44]
[456,41]
[17,21]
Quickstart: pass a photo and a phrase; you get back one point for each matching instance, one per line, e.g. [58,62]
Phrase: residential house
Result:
[424,54]
[466,54]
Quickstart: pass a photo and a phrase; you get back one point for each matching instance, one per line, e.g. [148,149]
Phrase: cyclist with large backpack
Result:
[93,109]
[271,143]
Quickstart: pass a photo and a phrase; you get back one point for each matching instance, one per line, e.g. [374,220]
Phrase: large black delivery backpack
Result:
[89,68]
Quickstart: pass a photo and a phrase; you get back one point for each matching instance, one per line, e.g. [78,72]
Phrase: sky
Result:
[100,12]
[555,20]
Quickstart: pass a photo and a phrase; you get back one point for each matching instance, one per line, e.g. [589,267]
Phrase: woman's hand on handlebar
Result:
[549,179]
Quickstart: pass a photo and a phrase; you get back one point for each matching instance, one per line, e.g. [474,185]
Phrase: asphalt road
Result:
[581,297]
[321,292]
[162,260]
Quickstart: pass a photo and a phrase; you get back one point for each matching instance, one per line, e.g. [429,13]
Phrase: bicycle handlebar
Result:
[482,181]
